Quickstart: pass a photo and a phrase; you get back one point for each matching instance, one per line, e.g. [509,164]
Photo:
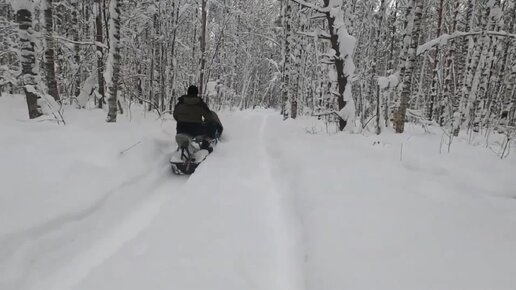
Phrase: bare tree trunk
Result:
[28,61]
[296,76]
[480,59]
[113,60]
[204,17]
[512,112]
[49,52]
[163,62]
[467,63]
[175,9]
[151,77]
[399,116]
[374,69]
[156,62]
[405,42]
[342,78]
[77,49]
[285,92]
[503,84]
[100,52]
[510,80]
[447,100]
[435,72]
[391,64]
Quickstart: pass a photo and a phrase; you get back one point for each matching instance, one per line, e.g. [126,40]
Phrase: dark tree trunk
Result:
[49,52]
[100,53]
[435,71]
[285,91]
[399,116]
[115,59]
[77,49]
[28,61]
[342,80]
[203,46]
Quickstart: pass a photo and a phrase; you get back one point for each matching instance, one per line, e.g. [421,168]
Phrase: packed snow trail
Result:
[272,208]
[226,229]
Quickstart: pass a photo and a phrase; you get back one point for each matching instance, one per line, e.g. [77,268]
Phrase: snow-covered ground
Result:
[92,205]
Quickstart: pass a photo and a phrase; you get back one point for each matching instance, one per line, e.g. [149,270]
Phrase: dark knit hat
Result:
[193,90]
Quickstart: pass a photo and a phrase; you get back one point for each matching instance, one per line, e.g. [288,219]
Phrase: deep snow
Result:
[275,207]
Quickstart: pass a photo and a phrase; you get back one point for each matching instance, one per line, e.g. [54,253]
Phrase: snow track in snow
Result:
[33,259]
[229,227]
[290,253]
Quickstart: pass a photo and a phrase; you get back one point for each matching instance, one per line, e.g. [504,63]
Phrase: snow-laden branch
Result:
[80,42]
[7,52]
[318,34]
[326,114]
[262,36]
[443,39]
[22,5]
[318,16]
[312,6]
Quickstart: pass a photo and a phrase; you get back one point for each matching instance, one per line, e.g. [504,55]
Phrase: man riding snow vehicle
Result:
[198,129]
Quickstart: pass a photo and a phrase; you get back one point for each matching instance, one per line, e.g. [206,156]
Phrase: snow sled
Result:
[191,151]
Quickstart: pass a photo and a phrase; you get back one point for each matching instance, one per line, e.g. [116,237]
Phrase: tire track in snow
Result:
[290,253]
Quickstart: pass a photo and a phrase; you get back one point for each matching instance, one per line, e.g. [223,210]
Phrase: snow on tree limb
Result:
[22,4]
[312,6]
[443,39]
[95,43]
[318,34]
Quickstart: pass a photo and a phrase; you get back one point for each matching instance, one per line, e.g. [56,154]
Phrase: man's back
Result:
[191,109]
[190,113]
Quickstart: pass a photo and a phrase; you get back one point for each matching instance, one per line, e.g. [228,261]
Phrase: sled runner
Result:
[191,151]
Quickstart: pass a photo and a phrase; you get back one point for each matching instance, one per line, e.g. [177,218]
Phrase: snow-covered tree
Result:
[410,42]
[50,51]
[112,73]
[29,77]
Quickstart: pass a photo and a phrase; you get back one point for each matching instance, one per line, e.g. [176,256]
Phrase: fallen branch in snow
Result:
[419,117]
[401,153]
[510,135]
[152,104]
[167,112]
[131,147]
[327,114]
[506,148]
[369,121]
[39,120]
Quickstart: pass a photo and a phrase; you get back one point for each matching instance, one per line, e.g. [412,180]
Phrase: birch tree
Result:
[113,64]
[412,33]
[50,51]
[29,77]
[204,21]
[99,40]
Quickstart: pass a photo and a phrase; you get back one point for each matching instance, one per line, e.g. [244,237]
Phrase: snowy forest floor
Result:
[92,205]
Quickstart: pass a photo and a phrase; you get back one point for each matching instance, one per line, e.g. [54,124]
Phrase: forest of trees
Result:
[357,64]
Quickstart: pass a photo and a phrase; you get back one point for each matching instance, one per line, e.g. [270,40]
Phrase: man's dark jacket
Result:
[195,118]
